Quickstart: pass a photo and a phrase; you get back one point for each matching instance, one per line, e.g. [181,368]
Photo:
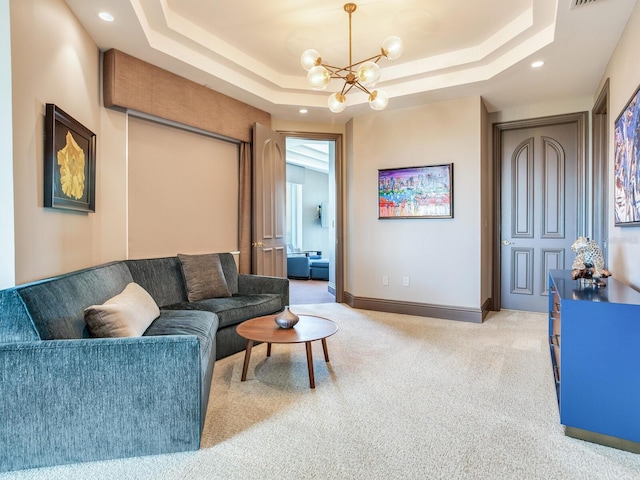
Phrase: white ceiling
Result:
[250,49]
[308,153]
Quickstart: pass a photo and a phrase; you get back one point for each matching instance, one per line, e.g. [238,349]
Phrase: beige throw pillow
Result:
[203,277]
[128,314]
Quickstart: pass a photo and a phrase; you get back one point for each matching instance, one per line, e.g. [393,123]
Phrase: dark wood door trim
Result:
[580,119]
[339,189]
[600,170]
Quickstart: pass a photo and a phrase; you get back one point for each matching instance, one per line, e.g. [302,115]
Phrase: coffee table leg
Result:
[312,380]
[247,356]
[268,349]
[324,347]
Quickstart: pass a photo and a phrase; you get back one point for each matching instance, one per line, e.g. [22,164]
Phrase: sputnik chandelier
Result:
[362,75]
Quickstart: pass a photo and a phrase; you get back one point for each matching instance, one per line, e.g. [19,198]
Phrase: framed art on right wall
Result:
[626,174]
[416,192]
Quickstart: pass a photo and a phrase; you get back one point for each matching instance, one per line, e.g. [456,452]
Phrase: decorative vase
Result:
[286,318]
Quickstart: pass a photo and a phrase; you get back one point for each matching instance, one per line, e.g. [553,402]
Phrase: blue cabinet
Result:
[594,338]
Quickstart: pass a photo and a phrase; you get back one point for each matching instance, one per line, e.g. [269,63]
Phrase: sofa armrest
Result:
[67,401]
[256,284]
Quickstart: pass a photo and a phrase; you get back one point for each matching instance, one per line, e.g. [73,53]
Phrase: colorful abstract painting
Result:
[626,173]
[416,192]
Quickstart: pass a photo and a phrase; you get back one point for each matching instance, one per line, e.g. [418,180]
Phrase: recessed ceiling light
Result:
[537,64]
[106,16]
[303,110]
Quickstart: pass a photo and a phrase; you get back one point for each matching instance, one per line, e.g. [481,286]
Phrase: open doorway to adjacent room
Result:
[310,218]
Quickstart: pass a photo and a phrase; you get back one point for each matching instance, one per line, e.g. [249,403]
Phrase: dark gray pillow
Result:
[203,276]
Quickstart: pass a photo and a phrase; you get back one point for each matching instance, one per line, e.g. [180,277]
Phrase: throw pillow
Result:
[203,277]
[128,314]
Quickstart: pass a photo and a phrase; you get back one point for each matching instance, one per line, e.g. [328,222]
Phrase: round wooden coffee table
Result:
[264,329]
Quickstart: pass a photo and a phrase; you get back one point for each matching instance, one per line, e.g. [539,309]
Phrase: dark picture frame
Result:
[69,162]
[416,192]
[626,169]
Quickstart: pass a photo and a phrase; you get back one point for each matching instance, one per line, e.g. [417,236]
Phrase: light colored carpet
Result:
[403,398]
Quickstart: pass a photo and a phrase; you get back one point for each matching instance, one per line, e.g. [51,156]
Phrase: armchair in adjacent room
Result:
[298,263]
[298,266]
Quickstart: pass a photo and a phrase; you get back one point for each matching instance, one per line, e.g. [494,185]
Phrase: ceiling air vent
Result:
[581,3]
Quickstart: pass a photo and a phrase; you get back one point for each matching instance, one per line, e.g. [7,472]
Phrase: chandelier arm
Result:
[361,87]
[375,59]
[349,68]
[351,85]
[335,70]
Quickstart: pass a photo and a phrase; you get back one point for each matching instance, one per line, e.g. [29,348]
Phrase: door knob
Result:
[506,242]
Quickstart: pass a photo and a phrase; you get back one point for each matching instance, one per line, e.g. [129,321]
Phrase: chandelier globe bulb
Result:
[392,47]
[378,100]
[319,77]
[337,102]
[369,74]
[309,59]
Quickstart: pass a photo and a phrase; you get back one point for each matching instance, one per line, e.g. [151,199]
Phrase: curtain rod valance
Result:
[132,84]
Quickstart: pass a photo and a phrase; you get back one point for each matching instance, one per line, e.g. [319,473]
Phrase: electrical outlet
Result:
[405,281]
[385,279]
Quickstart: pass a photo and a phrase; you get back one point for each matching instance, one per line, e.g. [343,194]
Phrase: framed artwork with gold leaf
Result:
[69,162]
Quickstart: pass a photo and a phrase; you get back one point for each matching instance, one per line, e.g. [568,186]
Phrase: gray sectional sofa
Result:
[66,396]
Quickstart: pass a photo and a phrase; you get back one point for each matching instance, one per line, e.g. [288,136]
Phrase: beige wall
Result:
[280,125]
[112,184]
[7,252]
[441,257]
[624,74]
[538,110]
[54,61]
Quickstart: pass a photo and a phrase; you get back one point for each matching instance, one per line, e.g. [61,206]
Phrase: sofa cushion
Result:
[161,277]
[183,322]
[127,314]
[230,270]
[57,304]
[203,277]
[204,326]
[235,309]
[15,323]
